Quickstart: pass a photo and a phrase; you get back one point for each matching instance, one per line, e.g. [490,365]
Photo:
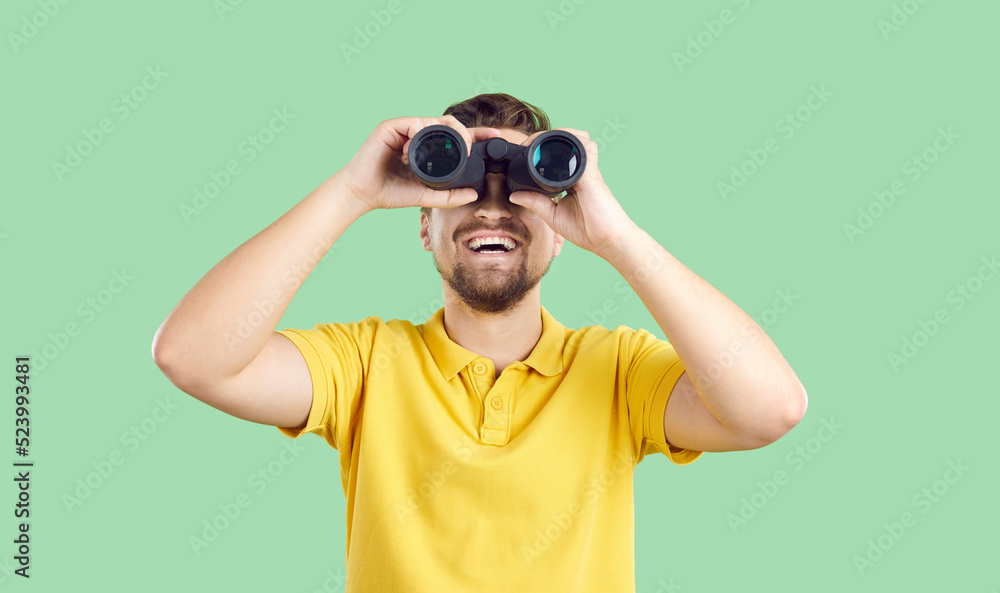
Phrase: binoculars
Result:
[554,161]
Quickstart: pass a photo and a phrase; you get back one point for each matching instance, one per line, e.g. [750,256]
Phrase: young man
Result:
[489,448]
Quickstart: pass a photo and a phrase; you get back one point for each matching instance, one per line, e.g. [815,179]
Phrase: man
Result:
[489,448]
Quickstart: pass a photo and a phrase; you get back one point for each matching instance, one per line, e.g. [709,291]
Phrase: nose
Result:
[494,200]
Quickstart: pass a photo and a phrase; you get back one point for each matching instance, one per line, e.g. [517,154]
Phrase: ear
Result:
[557,243]
[425,237]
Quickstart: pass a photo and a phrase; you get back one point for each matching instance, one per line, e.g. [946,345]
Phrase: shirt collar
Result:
[546,357]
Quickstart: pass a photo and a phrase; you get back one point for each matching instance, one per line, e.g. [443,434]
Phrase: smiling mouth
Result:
[493,249]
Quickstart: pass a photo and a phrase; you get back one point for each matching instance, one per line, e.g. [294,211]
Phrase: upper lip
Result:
[483,234]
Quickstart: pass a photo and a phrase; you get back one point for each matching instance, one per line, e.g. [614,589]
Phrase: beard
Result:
[491,290]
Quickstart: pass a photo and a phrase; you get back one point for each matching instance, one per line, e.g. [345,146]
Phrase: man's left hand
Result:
[588,215]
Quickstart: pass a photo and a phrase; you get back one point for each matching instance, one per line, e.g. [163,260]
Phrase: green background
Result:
[677,132]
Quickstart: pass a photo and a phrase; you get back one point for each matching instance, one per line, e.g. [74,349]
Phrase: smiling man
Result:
[490,448]
[491,263]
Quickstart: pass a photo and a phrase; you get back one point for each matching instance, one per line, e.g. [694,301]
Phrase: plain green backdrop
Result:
[679,95]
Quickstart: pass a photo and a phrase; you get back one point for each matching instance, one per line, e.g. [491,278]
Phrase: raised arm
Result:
[737,391]
[219,344]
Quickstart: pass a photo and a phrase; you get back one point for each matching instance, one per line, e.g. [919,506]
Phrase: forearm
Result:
[738,372]
[223,322]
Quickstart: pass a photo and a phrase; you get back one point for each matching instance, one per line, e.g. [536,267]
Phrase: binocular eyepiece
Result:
[554,161]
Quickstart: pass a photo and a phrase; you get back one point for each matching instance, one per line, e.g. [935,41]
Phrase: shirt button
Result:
[480,368]
[497,403]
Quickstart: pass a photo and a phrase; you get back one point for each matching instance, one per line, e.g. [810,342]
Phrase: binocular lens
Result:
[556,159]
[438,154]
[552,162]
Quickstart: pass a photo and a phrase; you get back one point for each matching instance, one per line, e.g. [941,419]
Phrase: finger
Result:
[420,123]
[589,148]
[531,138]
[471,135]
[538,203]
[452,121]
[399,130]
[451,198]
[483,134]
[577,133]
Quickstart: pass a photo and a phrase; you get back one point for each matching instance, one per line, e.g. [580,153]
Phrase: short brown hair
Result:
[498,110]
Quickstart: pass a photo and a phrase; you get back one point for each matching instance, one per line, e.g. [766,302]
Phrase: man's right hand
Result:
[379,174]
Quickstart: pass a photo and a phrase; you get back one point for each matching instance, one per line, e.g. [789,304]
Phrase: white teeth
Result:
[505,241]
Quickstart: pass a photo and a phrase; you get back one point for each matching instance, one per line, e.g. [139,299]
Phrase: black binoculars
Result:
[554,161]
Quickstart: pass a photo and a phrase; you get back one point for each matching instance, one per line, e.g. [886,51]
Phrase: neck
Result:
[501,337]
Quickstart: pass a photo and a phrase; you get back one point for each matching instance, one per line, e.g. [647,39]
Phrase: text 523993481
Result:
[22,469]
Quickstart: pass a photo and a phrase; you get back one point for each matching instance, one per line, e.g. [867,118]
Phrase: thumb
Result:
[538,203]
[451,198]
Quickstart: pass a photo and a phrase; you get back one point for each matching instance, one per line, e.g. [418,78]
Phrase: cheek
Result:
[446,247]
[546,242]
[541,251]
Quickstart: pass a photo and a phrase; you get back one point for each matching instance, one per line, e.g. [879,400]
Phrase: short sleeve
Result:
[653,370]
[337,355]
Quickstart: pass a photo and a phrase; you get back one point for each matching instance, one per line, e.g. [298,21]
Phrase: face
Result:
[485,282]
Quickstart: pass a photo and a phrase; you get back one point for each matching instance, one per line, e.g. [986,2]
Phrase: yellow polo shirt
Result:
[457,481]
